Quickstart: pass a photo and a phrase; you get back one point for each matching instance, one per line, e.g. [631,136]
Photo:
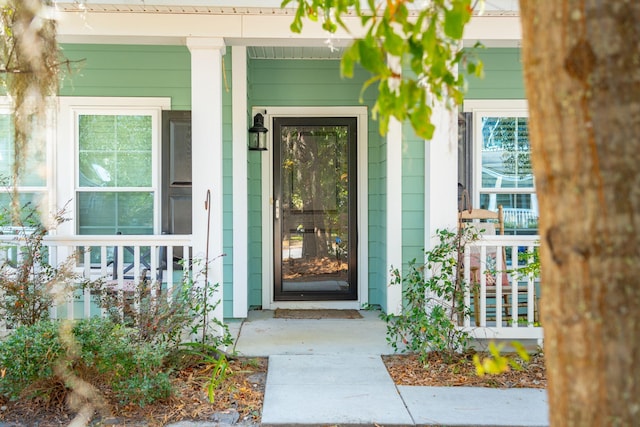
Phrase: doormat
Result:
[282,313]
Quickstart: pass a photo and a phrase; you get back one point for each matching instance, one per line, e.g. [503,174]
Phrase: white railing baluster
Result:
[103,273]
[153,274]
[120,280]
[483,285]
[531,302]
[467,280]
[70,296]
[169,273]
[498,284]
[515,302]
[87,275]
[136,291]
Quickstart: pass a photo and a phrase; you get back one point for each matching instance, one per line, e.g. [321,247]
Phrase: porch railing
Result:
[503,303]
[502,299]
[121,261]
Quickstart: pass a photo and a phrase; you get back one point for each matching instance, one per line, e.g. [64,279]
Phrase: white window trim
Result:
[67,146]
[494,108]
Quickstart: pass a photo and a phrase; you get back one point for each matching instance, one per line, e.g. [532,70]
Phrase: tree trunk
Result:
[582,75]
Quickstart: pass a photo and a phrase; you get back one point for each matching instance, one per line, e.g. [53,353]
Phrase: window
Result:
[115,174]
[116,191]
[502,172]
[32,182]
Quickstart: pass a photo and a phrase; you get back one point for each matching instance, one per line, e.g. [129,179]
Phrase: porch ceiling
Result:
[284,52]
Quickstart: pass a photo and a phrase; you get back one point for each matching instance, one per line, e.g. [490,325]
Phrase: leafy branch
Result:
[425,39]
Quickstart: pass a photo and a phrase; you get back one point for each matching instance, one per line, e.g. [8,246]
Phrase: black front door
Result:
[315,212]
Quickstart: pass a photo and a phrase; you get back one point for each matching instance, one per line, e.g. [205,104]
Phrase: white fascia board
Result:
[79,28]
[166,28]
[263,4]
[494,31]
[174,28]
[501,6]
[187,3]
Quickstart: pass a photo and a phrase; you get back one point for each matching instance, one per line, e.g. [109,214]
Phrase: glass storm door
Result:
[315,183]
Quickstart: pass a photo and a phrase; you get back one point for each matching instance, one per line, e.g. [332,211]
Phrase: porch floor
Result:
[263,335]
[329,372]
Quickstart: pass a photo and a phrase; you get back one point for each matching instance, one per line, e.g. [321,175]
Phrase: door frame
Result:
[361,115]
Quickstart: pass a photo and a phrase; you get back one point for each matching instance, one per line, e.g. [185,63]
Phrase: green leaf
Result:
[349,59]
[393,43]
[456,18]
[371,57]
[421,122]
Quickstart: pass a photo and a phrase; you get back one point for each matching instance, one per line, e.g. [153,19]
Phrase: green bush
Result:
[28,356]
[99,352]
[433,300]
[158,317]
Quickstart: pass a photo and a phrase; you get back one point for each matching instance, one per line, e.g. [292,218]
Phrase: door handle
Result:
[277,208]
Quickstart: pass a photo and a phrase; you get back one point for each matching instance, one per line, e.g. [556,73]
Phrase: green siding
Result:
[227,184]
[129,70]
[413,176]
[377,219]
[503,75]
[315,83]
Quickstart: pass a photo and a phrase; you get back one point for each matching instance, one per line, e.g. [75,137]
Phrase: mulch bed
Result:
[243,391]
[409,370]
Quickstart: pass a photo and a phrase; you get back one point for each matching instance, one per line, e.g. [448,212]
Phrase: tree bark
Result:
[582,76]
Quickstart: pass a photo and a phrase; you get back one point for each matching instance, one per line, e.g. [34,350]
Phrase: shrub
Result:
[28,356]
[29,285]
[99,352]
[157,317]
[433,300]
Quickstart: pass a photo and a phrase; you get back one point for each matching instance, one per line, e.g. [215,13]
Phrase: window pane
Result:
[34,170]
[6,145]
[115,151]
[506,156]
[29,209]
[112,212]
[520,211]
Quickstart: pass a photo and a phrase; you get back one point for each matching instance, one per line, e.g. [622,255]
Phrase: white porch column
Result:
[441,175]
[394,213]
[240,202]
[206,133]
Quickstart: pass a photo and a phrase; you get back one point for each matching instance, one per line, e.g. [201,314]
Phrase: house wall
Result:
[315,83]
[145,70]
[153,71]
[503,75]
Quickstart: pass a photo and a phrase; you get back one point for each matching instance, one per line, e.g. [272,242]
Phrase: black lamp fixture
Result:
[258,134]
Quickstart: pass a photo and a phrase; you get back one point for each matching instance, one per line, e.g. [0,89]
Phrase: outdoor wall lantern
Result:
[258,134]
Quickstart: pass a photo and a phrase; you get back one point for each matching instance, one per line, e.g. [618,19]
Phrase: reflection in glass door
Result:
[315,185]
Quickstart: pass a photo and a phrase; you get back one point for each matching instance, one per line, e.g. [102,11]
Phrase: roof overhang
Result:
[162,22]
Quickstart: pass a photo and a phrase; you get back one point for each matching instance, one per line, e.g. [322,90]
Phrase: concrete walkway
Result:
[329,372]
